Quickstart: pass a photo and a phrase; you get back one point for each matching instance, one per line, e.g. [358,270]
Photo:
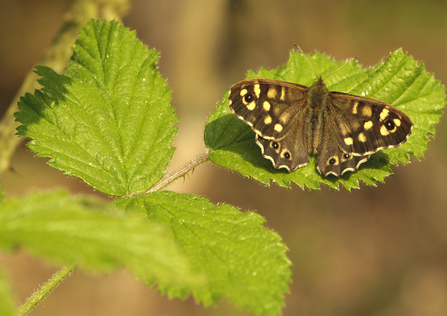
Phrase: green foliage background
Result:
[107,120]
[374,250]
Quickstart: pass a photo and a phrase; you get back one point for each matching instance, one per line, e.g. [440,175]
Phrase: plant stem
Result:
[168,179]
[45,289]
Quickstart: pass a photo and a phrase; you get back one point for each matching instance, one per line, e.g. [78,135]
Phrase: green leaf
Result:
[7,303]
[242,259]
[83,231]
[400,81]
[107,119]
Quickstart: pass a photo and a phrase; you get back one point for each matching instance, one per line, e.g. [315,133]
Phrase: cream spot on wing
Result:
[284,118]
[266,106]
[384,131]
[268,120]
[397,122]
[251,106]
[278,128]
[368,125]
[362,137]
[384,114]
[283,93]
[366,111]
[257,90]
[243,92]
[354,107]
[271,94]
[344,129]
[348,141]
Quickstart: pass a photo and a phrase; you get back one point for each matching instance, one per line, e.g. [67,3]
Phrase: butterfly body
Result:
[293,122]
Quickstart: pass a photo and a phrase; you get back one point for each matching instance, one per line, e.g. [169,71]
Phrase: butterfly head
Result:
[318,93]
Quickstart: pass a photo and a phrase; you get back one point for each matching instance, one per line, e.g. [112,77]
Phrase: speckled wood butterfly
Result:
[292,122]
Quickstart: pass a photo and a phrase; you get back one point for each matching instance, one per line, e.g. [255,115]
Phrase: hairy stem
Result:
[44,290]
[169,178]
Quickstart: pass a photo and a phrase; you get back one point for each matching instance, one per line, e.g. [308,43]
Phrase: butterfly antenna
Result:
[301,51]
[347,62]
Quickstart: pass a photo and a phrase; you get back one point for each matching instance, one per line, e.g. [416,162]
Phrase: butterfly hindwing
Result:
[287,153]
[332,158]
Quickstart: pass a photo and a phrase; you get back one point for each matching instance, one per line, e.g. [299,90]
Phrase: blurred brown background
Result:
[376,251]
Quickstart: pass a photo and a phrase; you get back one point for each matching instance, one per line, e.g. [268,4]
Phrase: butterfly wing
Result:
[269,106]
[288,153]
[366,125]
[355,127]
[275,109]
[332,159]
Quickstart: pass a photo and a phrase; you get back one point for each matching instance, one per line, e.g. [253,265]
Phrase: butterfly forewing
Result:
[365,125]
[292,122]
[268,107]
